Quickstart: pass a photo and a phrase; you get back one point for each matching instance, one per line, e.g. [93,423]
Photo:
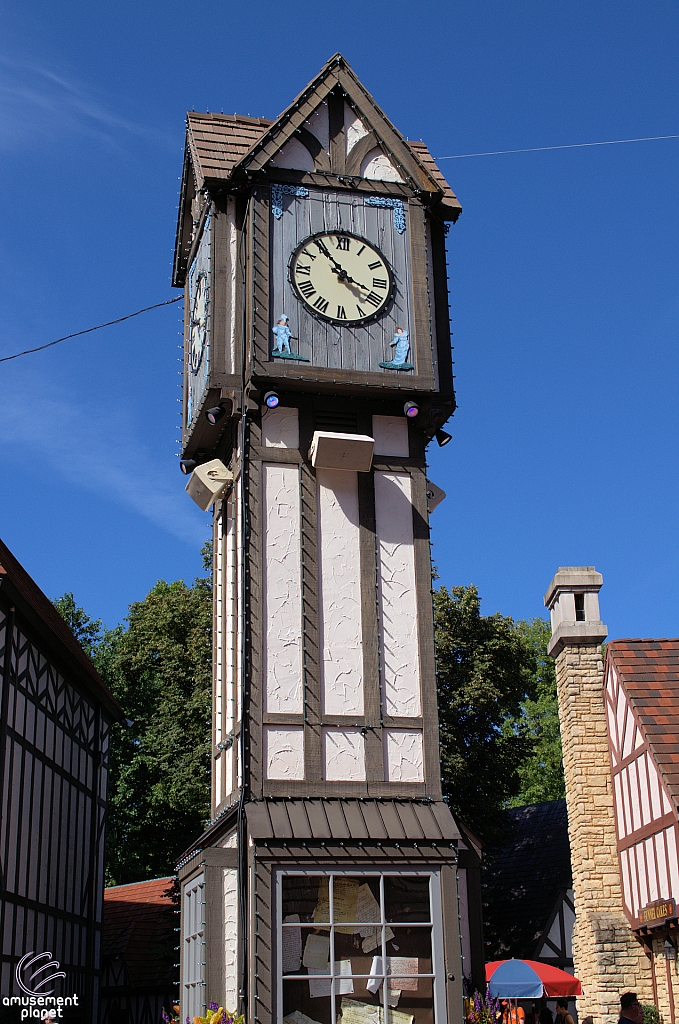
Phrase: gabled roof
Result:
[225,146]
[649,672]
[524,878]
[21,590]
[138,927]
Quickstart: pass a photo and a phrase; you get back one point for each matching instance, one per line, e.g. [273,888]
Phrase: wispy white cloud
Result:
[39,101]
[99,451]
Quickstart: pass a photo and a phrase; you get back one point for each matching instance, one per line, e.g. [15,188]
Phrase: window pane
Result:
[301,896]
[406,898]
[411,943]
[299,1007]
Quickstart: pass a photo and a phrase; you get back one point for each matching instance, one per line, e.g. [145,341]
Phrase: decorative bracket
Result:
[393,204]
[277,193]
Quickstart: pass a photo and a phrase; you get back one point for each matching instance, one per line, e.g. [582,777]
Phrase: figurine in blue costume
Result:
[283,335]
[401,344]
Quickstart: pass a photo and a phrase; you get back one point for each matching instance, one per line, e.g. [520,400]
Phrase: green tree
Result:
[158,667]
[485,673]
[541,772]
[86,630]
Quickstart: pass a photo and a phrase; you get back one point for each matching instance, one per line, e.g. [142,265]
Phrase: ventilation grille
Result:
[337,420]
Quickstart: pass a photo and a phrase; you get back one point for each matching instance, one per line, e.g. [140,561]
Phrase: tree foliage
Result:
[485,673]
[86,630]
[541,773]
[158,668]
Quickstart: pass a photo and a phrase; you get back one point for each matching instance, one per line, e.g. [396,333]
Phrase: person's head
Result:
[283,319]
[399,330]
[562,1007]
[630,1006]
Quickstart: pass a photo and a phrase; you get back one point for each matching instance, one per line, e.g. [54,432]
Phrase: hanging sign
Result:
[658,911]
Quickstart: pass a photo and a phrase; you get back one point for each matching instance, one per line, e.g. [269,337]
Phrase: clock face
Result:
[199,322]
[341,277]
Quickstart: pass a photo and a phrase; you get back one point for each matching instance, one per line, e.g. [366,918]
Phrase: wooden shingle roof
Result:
[217,142]
[649,671]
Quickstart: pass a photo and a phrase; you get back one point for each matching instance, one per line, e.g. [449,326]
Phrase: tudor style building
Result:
[317,368]
[56,716]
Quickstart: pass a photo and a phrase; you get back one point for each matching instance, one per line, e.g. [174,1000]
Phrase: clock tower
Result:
[332,883]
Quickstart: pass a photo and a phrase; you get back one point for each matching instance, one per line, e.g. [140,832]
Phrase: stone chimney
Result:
[607,958]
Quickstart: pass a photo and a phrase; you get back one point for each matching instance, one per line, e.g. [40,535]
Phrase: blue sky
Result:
[563,273]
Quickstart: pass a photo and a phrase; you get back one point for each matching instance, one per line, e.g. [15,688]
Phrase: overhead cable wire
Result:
[544,149]
[28,351]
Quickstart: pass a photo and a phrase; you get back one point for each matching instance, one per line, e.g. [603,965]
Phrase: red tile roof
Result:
[138,927]
[649,670]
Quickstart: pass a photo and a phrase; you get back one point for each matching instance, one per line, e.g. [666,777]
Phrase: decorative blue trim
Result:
[277,193]
[393,204]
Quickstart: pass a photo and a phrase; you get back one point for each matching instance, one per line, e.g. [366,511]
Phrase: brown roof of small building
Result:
[649,670]
[138,927]
[388,819]
[22,590]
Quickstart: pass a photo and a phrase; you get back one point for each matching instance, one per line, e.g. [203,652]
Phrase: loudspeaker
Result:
[208,482]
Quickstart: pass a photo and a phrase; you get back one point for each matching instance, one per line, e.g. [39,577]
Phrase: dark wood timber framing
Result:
[55,722]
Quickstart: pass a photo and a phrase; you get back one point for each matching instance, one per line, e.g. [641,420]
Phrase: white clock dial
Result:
[199,322]
[341,277]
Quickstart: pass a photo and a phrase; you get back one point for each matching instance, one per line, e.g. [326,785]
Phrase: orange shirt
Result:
[515,1015]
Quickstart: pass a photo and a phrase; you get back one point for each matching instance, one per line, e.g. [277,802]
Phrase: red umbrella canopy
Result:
[555,983]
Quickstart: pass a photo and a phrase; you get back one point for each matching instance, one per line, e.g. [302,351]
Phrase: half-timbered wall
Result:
[54,751]
[646,823]
[335,605]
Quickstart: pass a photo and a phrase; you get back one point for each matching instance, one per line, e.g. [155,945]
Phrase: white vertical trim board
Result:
[397,595]
[282,584]
[230,895]
[340,593]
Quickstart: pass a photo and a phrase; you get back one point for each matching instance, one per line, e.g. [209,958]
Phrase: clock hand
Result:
[338,267]
[343,276]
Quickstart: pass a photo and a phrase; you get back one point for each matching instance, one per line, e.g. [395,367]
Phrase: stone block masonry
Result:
[607,957]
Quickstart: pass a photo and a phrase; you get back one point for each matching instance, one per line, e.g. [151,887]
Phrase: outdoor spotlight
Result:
[271,399]
[442,438]
[669,949]
[411,410]
[187,466]
[215,414]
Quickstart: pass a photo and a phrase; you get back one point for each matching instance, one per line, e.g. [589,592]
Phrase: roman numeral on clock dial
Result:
[373,299]
[307,289]
[304,269]
[343,243]
[321,304]
[379,282]
[341,315]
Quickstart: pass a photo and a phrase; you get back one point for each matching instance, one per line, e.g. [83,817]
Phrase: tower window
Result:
[579,607]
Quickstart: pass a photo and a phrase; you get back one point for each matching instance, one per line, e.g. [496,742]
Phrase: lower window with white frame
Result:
[356,948]
[193,948]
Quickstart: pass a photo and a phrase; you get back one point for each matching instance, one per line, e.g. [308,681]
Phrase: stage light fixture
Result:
[411,410]
[271,400]
[442,438]
[187,466]
[215,414]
